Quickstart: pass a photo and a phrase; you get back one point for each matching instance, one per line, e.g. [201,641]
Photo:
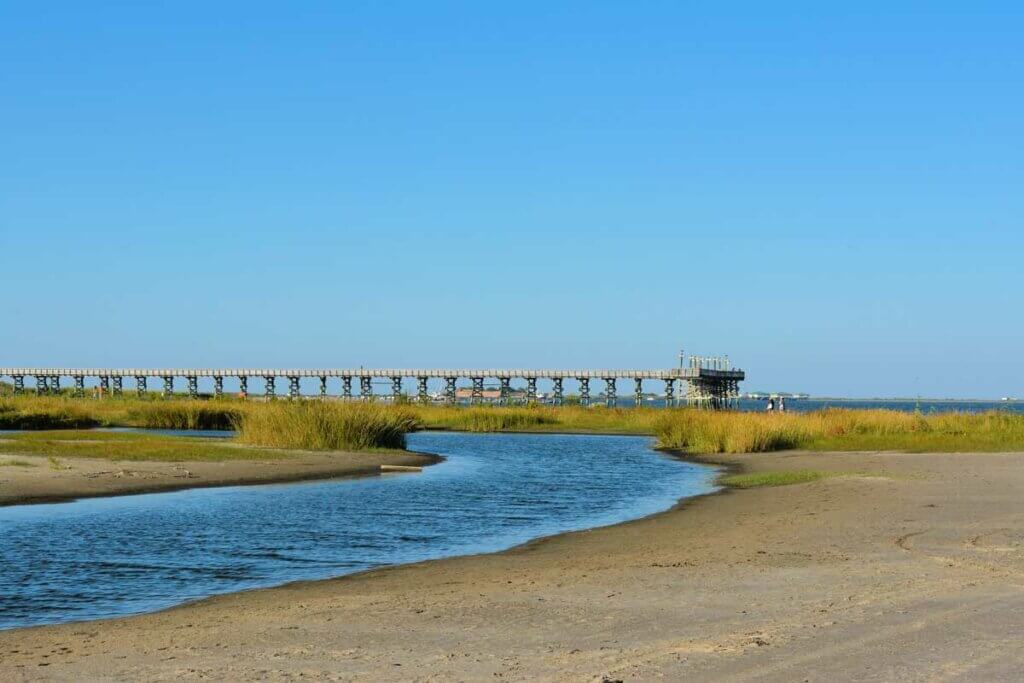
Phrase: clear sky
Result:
[833,196]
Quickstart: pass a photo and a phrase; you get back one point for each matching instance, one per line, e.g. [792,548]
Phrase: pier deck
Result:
[709,381]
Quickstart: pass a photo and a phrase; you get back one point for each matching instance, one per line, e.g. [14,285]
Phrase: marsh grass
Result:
[184,414]
[538,418]
[323,425]
[841,430]
[45,413]
[309,425]
[126,446]
[327,425]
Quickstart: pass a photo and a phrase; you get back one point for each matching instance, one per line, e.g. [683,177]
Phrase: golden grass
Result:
[185,414]
[842,430]
[538,418]
[30,412]
[321,425]
[312,424]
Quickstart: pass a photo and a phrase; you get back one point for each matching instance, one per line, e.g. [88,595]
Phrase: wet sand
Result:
[907,566]
[41,482]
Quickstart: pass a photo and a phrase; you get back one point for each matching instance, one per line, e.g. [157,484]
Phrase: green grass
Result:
[126,446]
[786,477]
[749,481]
[16,463]
[65,412]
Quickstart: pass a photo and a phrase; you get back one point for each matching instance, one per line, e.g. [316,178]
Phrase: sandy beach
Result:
[901,567]
[41,482]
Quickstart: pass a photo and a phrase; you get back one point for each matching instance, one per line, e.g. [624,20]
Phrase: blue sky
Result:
[831,196]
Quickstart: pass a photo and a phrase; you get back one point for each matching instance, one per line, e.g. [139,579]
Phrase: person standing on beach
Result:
[771,405]
[782,404]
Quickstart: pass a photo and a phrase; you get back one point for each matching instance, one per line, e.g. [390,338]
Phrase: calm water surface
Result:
[106,557]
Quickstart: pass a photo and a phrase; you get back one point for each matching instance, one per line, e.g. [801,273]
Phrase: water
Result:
[106,557]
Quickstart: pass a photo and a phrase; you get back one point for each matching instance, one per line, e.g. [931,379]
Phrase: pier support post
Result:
[104,386]
[140,385]
[293,387]
[366,387]
[243,386]
[584,391]
[638,392]
[505,389]
[323,386]
[19,384]
[218,386]
[531,390]
[557,390]
[346,387]
[449,389]
[168,385]
[42,385]
[609,392]
[118,388]
[396,389]
[478,389]
[269,390]
[79,386]
[193,386]
[421,389]
[55,384]
[670,393]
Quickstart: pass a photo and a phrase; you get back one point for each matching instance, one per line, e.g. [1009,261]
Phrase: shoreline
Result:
[679,504]
[899,564]
[83,478]
[299,466]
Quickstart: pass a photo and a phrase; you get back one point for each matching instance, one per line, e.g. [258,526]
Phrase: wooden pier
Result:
[710,382]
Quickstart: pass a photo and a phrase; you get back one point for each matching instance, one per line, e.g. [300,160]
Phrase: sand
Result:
[75,478]
[908,566]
